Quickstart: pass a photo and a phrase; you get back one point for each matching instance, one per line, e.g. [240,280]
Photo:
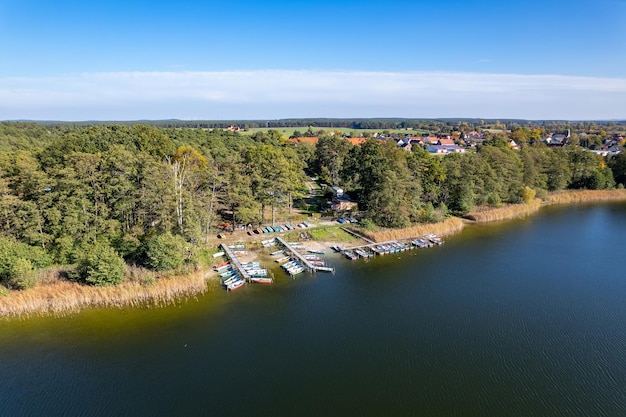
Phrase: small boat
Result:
[278,252]
[231,280]
[350,255]
[235,285]
[283,259]
[317,251]
[336,248]
[325,269]
[262,280]
[237,246]
[228,273]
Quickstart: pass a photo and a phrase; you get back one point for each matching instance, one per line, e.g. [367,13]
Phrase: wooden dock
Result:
[357,235]
[229,253]
[305,262]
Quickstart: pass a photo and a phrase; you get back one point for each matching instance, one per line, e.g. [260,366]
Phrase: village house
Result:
[444,149]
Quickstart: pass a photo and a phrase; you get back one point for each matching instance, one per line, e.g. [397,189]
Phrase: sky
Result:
[210,60]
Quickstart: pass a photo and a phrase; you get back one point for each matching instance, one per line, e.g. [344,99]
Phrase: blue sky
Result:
[124,60]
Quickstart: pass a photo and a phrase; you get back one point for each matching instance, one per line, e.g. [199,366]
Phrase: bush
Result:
[4,291]
[18,263]
[165,252]
[528,194]
[21,275]
[101,266]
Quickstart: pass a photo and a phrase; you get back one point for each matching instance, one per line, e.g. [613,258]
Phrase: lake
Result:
[522,318]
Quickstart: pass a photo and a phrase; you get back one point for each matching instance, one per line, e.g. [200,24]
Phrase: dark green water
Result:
[524,318]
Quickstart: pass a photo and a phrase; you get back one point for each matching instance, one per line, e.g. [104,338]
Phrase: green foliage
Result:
[100,265]
[4,291]
[21,275]
[19,262]
[165,252]
[528,194]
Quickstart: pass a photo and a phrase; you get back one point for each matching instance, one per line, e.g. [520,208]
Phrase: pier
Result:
[395,245]
[310,267]
[229,253]
[355,234]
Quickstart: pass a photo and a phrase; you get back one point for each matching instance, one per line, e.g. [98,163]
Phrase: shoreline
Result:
[61,297]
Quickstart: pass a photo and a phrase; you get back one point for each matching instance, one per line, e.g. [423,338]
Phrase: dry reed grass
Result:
[512,211]
[59,296]
[447,227]
[582,196]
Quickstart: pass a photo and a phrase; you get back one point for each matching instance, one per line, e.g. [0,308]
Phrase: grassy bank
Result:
[512,211]
[584,196]
[447,227]
[58,296]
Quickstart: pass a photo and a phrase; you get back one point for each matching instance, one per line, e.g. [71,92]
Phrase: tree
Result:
[100,266]
[165,252]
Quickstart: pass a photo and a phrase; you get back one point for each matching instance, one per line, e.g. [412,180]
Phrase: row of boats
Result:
[389,247]
[280,228]
[234,273]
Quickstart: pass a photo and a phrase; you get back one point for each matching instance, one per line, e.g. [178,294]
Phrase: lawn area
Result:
[331,234]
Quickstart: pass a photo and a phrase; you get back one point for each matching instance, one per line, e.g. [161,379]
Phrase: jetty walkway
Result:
[307,264]
[235,261]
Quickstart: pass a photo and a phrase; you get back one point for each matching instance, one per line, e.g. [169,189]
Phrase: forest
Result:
[100,197]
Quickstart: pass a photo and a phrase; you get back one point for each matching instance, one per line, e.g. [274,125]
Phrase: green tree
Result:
[100,266]
[165,252]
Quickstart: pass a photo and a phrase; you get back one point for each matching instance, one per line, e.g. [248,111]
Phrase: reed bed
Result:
[59,296]
[511,211]
[583,196]
[447,227]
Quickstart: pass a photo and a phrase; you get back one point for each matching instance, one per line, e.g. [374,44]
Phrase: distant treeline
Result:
[445,124]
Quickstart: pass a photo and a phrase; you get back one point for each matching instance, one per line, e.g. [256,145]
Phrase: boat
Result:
[235,285]
[350,255]
[228,273]
[278,252]
[283,259]
[336,248]
[231,280]
[262,280]
[317,251]
[325,269]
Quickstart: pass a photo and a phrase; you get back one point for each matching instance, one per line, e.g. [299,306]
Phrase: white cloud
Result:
[281,94]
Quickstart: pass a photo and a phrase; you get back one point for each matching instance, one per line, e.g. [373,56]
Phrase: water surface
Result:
[523,318]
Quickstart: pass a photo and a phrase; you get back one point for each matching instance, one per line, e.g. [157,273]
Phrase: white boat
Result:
[262,280]
[317,251]
[237,284]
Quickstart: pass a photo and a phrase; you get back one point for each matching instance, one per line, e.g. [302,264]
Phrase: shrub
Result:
[21,275]
[101,266]
[165,252]
[4,291]
[528,194]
